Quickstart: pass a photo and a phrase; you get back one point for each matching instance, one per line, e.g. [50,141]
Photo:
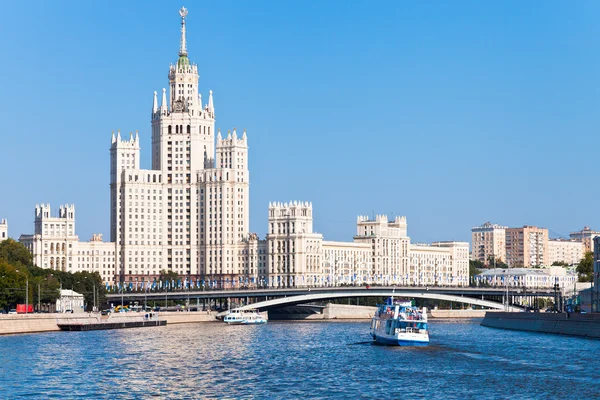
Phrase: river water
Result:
[286,360]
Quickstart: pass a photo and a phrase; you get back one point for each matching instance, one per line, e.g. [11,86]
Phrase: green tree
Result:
[12,285]
[475,267]
[585,269]
[560,264]
[168,276]
[15,254]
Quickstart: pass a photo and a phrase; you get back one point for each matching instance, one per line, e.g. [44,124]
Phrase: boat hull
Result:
[109,325]
[399,340]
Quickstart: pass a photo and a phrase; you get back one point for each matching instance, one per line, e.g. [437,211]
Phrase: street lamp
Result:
[26,290]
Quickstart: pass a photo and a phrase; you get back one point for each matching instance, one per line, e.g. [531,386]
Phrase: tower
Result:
[189,213]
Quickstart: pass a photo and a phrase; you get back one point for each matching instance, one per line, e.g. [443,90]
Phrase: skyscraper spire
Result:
[163,106]
[182,47]
[211,106]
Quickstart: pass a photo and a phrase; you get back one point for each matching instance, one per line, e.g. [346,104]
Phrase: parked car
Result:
[13,311]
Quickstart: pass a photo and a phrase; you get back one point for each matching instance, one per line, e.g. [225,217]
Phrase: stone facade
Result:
[569,251]
[586,236]
[488,242]
[190,212]
[529,278]
[3,230]
[527,246]
[55,245]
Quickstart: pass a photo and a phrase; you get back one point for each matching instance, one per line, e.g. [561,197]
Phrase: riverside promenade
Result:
[35,323]
[575,324]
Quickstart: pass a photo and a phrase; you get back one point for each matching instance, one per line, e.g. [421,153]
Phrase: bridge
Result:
[271,298]
[309,298]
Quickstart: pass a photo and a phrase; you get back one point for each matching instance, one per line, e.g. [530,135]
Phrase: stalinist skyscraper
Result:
[189,213]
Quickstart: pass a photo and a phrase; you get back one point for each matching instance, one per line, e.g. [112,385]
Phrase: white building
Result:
[440,264]
[190,212]
[389,244]
[295,255]
[56,246]
[561,250]
[70,301]
[96,256]
[54,240]
[488,242]
[528,278]
[586,236]
[3,230]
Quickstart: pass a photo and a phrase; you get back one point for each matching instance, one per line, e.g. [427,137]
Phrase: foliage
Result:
[475,267]
[168,276]
[17,271]
[498,264]
[585,269]
[560,264]
[15,254]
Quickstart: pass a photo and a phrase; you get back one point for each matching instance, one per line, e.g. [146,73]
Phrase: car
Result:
[105,312]
[3,312]
[12,311]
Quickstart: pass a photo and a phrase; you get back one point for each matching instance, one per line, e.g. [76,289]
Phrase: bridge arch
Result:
[307,298]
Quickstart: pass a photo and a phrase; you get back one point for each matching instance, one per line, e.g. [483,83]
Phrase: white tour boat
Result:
[400,324]
[244,317]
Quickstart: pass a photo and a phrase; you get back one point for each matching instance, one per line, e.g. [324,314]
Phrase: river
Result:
[285,360]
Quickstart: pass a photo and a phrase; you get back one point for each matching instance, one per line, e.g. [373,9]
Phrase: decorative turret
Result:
[163,104]
[154,104]
[211,106]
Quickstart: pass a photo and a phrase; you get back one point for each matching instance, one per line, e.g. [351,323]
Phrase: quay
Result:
[574,324]
[38,323]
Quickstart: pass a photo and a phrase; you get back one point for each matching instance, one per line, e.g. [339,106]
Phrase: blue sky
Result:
[451,113]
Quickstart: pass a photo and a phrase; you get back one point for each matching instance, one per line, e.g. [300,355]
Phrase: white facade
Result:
[3,230]
[53,244]
[569,251]
[528,278]
[440,264]
[96,256]
[389,244]
[294,251]
[70,301]
[488,241]
[190,212]
[347,263]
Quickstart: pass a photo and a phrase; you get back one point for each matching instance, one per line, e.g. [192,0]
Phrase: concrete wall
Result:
[586,325]
[35,323]
[441,314]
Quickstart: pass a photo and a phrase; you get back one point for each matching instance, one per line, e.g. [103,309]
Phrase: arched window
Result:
[189,129]
[170,129]
[176,128]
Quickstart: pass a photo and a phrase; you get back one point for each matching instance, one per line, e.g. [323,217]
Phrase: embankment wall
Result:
[584,325]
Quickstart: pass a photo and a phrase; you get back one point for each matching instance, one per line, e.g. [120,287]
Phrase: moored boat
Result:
[110,322]
[244,317]
[400,324]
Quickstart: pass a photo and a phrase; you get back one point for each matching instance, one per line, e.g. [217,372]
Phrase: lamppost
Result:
[26,290]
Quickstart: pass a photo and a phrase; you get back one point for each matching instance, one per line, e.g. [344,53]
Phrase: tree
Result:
[168,276]
[12,285]
[15,254]
[475,267]
[560,264]
[585,269]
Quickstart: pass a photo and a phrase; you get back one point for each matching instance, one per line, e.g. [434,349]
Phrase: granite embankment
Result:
[584,325]
[32,323]
[342,311]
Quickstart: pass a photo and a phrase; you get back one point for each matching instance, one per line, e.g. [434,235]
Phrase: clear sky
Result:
[452,113]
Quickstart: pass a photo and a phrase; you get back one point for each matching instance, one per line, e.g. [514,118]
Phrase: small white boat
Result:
[244,317]
[400,324]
